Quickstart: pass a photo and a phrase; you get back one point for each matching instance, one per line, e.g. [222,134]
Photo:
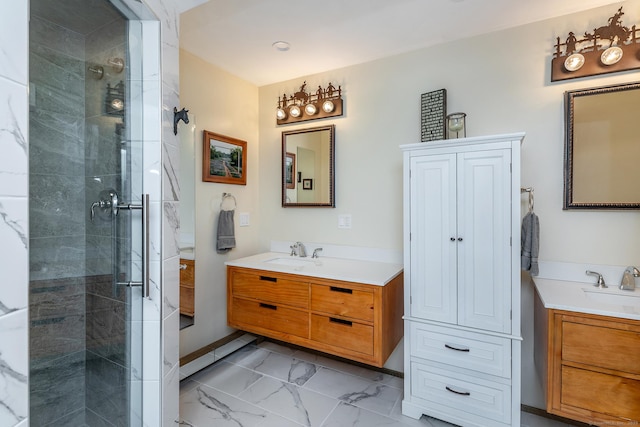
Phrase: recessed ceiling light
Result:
[281,46]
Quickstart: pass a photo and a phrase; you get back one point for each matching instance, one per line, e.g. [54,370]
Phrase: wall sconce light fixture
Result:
[302,106]
[608,49]
[114,100]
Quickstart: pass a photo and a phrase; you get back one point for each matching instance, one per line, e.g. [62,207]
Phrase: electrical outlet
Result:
[344,221]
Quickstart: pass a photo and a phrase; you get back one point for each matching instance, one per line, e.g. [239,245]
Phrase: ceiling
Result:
[237,35]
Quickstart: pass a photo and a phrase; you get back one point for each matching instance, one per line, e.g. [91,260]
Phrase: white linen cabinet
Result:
[462,280]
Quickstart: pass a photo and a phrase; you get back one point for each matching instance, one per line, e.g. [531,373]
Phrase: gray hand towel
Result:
[225,237]
[530,243]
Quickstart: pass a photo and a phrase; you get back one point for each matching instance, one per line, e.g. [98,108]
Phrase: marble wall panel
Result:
[108,380]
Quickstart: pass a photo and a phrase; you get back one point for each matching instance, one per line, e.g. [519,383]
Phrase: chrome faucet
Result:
[301,250]
[628,282]
[315,252]
[600,283]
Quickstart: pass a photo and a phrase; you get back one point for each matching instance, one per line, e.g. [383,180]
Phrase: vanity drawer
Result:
[270,288]
[478,352]
[607,394]
[269,316]
[465,396]
[601,343]
[342,301]
[342,333]
[187,301]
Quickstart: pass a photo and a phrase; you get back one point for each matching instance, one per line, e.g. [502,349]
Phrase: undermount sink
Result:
[614,296]
[291,262]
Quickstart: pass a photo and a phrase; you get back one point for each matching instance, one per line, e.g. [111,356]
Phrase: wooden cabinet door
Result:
[433,226]
[484,239]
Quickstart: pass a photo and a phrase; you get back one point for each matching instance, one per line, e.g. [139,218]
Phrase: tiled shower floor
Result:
[269,385]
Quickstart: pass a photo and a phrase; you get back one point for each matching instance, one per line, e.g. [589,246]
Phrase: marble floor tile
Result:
[354,390]
[204,406]
[298,404]
[227,377]
[271,385]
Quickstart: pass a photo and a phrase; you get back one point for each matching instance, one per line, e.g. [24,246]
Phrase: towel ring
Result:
[530,191]
[226,196]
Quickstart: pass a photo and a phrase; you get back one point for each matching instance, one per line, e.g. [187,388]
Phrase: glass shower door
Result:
[87,212]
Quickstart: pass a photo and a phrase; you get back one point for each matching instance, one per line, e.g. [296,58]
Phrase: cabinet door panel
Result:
[484,253]
[433,226]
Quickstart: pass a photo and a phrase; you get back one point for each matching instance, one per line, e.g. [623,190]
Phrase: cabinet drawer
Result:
[478,352]
[269,316]
[466,396]
[187,272]
[186,300]
[595,391]
[602,345]
[342,301]
[271,288]
[342,333]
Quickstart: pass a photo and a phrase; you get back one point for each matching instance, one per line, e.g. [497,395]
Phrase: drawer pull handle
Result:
[269,306]
[340,321]
[450,347]
[461,393]
[269,279]
[343,290]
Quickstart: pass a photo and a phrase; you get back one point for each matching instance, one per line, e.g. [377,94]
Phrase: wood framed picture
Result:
[290,170]
[307,184]
[224,159]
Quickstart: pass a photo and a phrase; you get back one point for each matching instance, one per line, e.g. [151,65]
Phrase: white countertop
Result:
[583,298]
[367,272]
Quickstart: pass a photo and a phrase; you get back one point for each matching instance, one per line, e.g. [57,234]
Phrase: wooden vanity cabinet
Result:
[356,321]
[187,287]
[593,368]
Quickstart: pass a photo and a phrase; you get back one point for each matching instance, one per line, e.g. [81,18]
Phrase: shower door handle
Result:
[144,207]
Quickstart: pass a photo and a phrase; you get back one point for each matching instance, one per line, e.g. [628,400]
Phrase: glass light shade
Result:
[295,111]
[281,114]
[117,104]
[456,124]
[574,62]
[310,109]
[327,106]
[611,56]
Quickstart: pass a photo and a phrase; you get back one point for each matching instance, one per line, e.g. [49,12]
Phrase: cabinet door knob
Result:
[453,239]
[459,239]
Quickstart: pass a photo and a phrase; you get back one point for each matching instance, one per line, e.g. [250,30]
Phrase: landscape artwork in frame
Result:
[224,159]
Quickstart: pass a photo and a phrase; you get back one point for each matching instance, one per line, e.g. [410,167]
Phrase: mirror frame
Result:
[332,160]
[569,100]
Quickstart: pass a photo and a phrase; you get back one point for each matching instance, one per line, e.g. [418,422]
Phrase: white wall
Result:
[224,104]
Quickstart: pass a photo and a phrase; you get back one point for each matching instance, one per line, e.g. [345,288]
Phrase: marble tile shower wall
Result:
[14,229]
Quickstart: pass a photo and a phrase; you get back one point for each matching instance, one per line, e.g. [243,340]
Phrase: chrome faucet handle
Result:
[600,283]
[315,252]
[628,282]
[294,249]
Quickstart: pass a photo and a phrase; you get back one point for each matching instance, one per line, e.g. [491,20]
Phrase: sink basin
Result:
[614,297]
[291,262]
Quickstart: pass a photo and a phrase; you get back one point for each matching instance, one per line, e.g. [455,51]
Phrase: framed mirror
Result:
[308,163]
[602,148]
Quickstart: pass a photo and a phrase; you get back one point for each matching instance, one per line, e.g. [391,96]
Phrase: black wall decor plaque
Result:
[433,112]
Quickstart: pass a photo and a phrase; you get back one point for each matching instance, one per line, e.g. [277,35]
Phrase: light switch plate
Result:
[344,221]
[244,219]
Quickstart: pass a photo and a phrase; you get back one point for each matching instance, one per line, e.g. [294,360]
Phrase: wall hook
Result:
[177,116]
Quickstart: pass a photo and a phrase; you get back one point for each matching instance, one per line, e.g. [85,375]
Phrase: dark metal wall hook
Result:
[177,116]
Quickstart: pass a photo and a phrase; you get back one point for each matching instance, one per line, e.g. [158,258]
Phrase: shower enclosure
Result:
[87,228]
